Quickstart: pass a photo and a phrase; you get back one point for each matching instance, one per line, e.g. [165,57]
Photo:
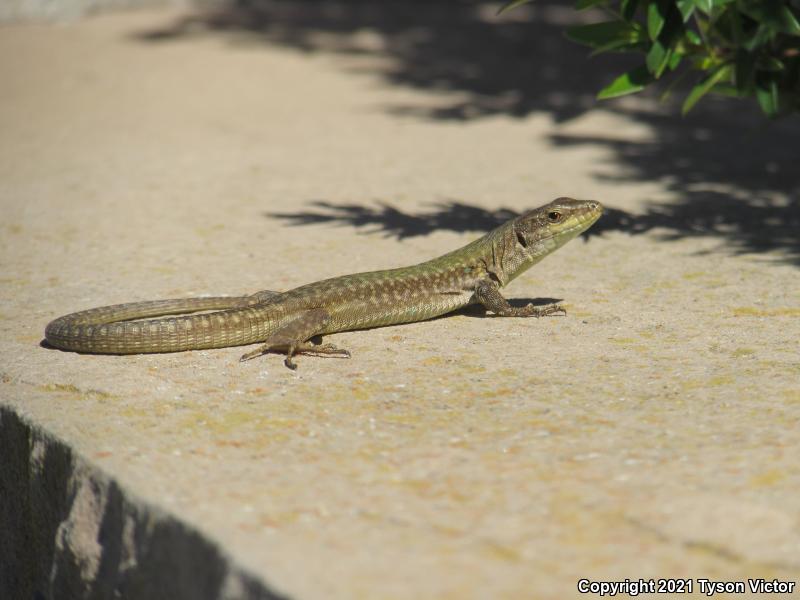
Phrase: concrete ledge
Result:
[70,531]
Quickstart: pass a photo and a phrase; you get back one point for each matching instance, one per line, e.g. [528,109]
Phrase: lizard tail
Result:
[118,329]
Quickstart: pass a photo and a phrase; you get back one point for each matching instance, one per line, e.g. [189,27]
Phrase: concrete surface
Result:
[650,433]
[66,11]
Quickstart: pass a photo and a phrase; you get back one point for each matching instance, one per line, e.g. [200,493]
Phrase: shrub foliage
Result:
[743,48]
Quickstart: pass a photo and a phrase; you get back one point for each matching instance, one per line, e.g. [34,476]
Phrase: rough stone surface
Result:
[70,531]
[650,433]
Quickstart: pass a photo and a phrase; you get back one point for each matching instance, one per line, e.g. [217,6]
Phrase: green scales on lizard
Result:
[286,321]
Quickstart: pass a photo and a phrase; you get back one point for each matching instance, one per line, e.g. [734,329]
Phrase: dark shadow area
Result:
[504,64]
[744,226]
[393,222]
[732,174]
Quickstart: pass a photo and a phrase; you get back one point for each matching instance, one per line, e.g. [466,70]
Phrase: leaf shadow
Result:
[440,46]
[728,175]
[743,227]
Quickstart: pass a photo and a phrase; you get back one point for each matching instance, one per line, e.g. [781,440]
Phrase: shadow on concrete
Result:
[733,175]
[743,226]
[503,64]
[394,222]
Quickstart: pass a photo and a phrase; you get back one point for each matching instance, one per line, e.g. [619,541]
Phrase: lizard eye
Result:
[554,216]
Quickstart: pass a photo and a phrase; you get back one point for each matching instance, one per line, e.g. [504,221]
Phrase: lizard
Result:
[287,321]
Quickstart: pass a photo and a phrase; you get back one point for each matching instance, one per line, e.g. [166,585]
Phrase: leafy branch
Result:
[742,48]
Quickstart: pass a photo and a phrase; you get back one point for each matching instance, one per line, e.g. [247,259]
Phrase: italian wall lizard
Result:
[286,321]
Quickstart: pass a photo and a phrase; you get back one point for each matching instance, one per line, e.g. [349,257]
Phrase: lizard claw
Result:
[330,349]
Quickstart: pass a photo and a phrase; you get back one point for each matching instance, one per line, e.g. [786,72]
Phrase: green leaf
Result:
[584,4]
[705,5]
[693,37]
[657,58]
[633,81]
[767,96]
[686,8]
[703,63]
[789,21]
[605,33]
[664,46]
[656,16]
[617,46]
[702,88]
[512,5]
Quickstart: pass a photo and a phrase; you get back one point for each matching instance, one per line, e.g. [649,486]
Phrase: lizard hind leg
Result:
[293,338]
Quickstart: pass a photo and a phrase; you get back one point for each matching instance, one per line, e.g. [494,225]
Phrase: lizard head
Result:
[542,230]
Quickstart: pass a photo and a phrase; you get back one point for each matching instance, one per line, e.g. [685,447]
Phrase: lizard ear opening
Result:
[521,238]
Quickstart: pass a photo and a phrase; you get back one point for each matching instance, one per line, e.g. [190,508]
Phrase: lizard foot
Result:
[325,349]
[544,311]
[308,348]
[488,293]
[302,348]
[254,354]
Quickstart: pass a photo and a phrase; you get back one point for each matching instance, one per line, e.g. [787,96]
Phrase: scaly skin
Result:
[286,321]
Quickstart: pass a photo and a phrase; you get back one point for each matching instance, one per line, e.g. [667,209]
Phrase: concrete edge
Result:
[69,530]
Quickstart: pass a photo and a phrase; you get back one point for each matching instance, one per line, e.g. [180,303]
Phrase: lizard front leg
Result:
[488,293]
[293,338]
